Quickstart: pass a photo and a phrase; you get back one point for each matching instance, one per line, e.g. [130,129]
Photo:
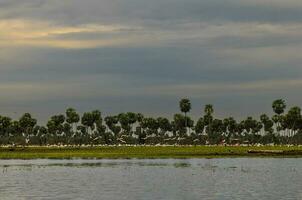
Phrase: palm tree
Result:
[27,124]
[15,131]
[267,124]
[55,126]
[185,106]
[98,130]
[140,132]
[217,128]
[278,107]
[63,129]
[292,119]
[152,128]
[208,118]
[87,120]
[42,135]
[164,125]
[231,128]
[180,124]
[111,122]
[208,109]
[199,127]
[5,123]
[72,117]
[132,117]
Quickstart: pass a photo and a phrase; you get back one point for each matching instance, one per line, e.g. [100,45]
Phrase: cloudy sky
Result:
[143,56]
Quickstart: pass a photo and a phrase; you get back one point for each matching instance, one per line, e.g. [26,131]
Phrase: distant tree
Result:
[231,128]
[132,119]
[112,124]
[208,118]
[164,125]
[27,124]
[134,128]
[15,128]
[5,123]
[99,130]
[42,135]
[217,128]
[181,122]
[124,122]
[278,106]
[208,109]
[56,128]
[72,117]
[88,121]
[151,125]
[267,124]
[140,132]
[185,107]
[292,120]
[199,127]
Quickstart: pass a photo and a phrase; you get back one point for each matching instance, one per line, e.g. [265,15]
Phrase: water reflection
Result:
[241,178]
[182,165]
[85,163]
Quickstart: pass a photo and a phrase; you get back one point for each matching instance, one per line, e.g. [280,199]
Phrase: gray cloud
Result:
[121,55]
[157,11]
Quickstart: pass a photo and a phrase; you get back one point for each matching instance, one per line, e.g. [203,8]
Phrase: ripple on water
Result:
[229,178]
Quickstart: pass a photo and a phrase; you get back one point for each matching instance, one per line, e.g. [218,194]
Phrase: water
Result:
[230,178]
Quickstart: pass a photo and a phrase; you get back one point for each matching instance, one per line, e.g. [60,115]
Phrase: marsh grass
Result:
[150,152]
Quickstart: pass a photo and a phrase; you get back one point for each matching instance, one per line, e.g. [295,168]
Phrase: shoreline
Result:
[149,152]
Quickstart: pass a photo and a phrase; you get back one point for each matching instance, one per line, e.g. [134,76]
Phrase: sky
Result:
[144,56]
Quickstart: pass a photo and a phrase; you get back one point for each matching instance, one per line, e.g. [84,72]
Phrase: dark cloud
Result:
[219,51]
[149,65]
[162,11]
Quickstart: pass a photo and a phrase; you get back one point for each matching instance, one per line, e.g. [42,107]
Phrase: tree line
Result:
[284,127]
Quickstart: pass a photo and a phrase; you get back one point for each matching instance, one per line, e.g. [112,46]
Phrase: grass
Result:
[127,152]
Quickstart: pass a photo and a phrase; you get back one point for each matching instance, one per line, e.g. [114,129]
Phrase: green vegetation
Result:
[145,152]
[91,129]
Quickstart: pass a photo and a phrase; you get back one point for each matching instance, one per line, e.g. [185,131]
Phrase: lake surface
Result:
[229,178]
